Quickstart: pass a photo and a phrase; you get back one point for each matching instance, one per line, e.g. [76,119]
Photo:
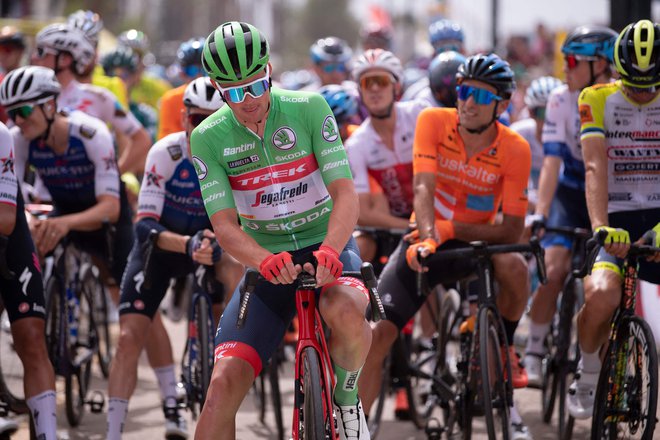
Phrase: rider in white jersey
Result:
[68,51]
[619,132]
[587,53]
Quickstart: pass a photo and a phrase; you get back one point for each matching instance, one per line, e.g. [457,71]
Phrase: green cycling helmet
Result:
[234,51]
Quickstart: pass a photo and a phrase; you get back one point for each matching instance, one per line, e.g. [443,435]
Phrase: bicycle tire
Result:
[376,413]
[275,394]
[570,353]
[634,342]
[202,371]
[493,373]
[445,323]
[81,353]
[550,382]
[55,325]
[96,290]
[311,408]
[11,370]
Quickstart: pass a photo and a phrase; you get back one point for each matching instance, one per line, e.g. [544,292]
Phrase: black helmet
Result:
[442,76]
[590,41]
[489,69]
[637,54]
[10,36]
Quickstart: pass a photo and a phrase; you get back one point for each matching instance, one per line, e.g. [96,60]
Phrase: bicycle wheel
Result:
[627,393]
[275,394]
[55,325]
[94,287]
[550,371]
[376,413]
[568,353]
[81,350]
[11,369]
[202,363]
[494,385]
[311,420]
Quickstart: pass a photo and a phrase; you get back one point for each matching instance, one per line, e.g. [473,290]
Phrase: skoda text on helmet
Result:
[637,54]
[28,85]
[89,22]
[342,103]
[444,30]
[123,57]
[330,49]
[64,38]
[235,51]
[538,92]
[442,76]
[377,59]
[201,94]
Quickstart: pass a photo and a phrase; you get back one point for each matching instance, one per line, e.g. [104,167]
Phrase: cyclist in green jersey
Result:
[276,184]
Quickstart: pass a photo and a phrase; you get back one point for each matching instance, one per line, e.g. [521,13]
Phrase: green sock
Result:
[346,388]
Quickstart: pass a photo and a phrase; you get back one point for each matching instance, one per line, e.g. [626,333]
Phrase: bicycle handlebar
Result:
[308,281]
[598,240]
[481,249]
[5,272]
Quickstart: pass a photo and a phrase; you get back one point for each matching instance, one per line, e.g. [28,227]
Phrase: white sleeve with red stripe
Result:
[8,183]
[158,170]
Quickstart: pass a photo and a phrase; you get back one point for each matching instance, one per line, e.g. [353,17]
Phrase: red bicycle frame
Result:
[310,334]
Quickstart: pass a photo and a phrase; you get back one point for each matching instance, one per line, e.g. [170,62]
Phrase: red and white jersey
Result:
[392,169]
[8,182]
[100,103]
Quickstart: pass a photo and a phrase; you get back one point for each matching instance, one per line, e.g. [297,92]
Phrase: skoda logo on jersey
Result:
[330,130]
[200,167]
[284,138]
[251,225]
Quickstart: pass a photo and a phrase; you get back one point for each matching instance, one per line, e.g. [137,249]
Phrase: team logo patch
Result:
[284,138]
[138,304]
[200,168]
[23,307]
[184,174]
[585,114]
[8,163]
[330,130]
[153,178]
[175,151]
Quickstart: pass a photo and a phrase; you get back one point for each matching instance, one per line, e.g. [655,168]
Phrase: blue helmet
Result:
[343,104]
[444,29]
[330,49]
[489,69]
[590,41]
[190,52]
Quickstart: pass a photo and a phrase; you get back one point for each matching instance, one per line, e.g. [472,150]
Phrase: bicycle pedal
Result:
[96,402]
[434,429]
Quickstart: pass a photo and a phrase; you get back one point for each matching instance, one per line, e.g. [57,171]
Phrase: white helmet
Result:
[87,21]
[63,37]
[28,85]
[539,90]
[378,59]
[200,93]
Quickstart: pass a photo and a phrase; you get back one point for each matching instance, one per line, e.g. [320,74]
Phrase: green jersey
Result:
[278,183]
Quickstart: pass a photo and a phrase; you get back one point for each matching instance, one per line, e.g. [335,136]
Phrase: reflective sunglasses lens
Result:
[237,94]
[192,70]
[480,96]
[329,68]
[23,111]
[196,118]
[380,81]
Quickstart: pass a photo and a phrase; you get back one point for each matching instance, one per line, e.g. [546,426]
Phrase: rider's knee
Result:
[30,344]
[602,293]
[131,340]
[384,334]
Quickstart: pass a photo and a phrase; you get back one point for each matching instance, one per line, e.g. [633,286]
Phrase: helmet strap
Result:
[49,121]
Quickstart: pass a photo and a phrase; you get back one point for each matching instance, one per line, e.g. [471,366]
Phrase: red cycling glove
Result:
[272,265]
[329,258]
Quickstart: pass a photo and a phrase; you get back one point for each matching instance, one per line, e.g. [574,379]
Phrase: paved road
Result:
[145,419]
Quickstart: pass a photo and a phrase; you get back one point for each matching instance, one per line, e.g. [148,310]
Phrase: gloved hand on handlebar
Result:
[203,248]
[278,268]
[652,238]
[617,240]
[426,247]
[329,266]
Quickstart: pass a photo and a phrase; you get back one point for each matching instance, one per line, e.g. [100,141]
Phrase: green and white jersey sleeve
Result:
[277,184]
